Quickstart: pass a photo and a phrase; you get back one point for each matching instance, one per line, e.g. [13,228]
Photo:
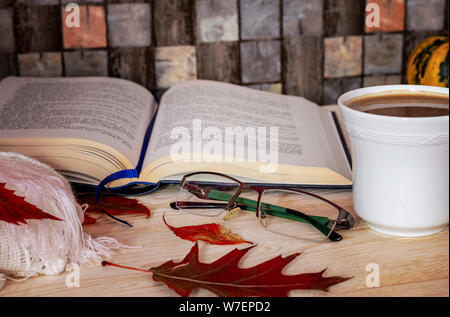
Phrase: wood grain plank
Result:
[6,3]
[260,61]
[135,64]
[8,65]
[86,63]
[128,1]
[408,266]
[446,15]
[303,67]
[37,28]
[343,17]
[334,87]
[47,64]
[219,61]
[174,65]
[173,22]
[7,42]
[82,2]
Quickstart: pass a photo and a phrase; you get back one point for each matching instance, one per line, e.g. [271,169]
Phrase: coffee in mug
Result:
[399,139]
[402,104]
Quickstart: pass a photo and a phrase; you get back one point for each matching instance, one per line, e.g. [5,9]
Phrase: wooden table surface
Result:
[407,266]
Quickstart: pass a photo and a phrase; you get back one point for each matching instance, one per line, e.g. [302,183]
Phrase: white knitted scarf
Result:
[45,246]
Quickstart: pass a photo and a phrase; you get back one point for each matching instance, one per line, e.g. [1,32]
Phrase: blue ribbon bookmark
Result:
[118,175]
[129,173]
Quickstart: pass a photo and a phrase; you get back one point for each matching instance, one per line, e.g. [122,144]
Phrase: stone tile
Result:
[40,65]
[302,17]
[217,20]
[378,80]
[383,54]
[129,25]
[174,64]
[334,88]
[92,30]
[7,44]
[392,16]
[89,63]
[425,15]
[343,56]
[276,88]
[260,61]
[7,65]
[219,61]
[260,19]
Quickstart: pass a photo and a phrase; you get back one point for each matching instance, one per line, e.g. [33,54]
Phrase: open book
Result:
[89,128]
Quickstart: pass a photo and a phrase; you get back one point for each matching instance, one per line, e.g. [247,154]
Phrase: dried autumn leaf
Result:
[14,209]
[212,233]
[225,278]
[114,205]
[88,220]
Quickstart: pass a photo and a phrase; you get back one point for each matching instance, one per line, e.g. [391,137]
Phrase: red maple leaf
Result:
[225,278]
[14,209]
[212,233]
[114,205]
[88,220]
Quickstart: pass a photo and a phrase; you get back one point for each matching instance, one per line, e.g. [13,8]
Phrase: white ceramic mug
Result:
[400,167]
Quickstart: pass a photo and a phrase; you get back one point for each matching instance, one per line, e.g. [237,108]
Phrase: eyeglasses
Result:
[289,212]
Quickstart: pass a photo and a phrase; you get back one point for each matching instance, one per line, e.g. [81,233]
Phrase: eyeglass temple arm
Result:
[324,228]
[274,209]
[320,223]
[194,205]
[290,216]
[287,213]
[251,205]
[344,220]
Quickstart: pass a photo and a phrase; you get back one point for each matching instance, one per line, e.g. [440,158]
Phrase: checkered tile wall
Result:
[313,48]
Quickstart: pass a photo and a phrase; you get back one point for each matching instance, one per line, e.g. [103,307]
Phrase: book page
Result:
[306,137]
[113,112]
